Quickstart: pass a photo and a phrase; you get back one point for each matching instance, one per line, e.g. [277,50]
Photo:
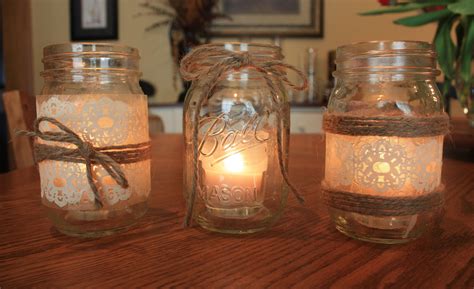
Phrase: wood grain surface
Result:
[302,251]
[461,134]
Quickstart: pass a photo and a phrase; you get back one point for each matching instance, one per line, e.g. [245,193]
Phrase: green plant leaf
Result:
[445,47]
[467,49]
[466,59]
[424,18]
[446,86]
[459,38]
[463,7]
[405,8]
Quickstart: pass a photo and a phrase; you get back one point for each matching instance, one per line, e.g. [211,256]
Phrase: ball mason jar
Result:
[384,141]
[240,185]
[92,89]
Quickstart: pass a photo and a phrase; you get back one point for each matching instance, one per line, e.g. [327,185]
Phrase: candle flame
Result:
[234,163]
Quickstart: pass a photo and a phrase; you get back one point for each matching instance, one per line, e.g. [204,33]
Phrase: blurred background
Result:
[308,32]
[50,21]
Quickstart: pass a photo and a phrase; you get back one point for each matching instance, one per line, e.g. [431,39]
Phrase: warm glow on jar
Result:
[384,127]
[103,121]
[236,119]
[234,180]
[234,163]
[91,93]
[388,166]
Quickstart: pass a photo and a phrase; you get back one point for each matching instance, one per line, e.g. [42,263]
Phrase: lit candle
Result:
[232,184]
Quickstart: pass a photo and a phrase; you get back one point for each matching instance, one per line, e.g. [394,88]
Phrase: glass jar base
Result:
[97,223]
[372,239]
[257,222]
[234,213]
[385,230]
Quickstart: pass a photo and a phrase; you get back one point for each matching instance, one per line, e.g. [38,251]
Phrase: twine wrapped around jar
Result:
[402,126]
[209,76]
[109,157]
[384,126]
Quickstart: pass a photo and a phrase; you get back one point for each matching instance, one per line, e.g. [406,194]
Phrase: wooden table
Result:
[461,134]
[303,250]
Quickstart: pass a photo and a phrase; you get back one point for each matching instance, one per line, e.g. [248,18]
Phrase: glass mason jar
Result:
[384,140]
[92,89]
[240,187]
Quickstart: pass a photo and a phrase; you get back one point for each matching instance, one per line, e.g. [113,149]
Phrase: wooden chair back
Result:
[155,124]
[21,146]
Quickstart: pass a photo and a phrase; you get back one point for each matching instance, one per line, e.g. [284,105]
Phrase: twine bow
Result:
[108,157]
[196,66]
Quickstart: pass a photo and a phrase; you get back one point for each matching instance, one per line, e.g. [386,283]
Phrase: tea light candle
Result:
[232,184]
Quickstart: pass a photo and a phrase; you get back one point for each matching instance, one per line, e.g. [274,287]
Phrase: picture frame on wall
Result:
[290,18]
[94,20]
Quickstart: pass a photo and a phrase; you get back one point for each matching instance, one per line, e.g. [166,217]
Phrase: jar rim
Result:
[399,57]
[385,46]
[256,49]
[72,48]
[89,58]
[251,44]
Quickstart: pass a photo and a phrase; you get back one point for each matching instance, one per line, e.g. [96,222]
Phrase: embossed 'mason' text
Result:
[225,194]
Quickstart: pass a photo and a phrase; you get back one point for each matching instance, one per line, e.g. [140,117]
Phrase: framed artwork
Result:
[298,18]
[94,19]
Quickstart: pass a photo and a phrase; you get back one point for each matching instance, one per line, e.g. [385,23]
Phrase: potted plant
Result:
[188,21]
[454,55]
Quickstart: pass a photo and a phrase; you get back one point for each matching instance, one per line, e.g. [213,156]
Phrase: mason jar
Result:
[92,89]
[241,126]
[384,141]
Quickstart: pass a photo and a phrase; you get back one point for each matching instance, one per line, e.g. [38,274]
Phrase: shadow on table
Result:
[450,234]
[460,154]
[308,224]
[299,223]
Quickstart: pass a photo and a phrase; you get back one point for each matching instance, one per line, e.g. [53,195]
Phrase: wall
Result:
[342,25]
[50,20]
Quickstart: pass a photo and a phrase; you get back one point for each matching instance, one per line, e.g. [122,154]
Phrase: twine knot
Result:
[109,157]
[195,66]
[87,150]
[244,59]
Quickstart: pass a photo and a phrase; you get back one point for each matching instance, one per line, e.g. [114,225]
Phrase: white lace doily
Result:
[389,166]
[103,121]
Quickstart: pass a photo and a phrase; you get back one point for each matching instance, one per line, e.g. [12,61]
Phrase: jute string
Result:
[381,205]
[109,157]
[272,71]
[400,126]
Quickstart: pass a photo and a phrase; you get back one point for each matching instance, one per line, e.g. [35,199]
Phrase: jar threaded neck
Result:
[90,59]
[386,57]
